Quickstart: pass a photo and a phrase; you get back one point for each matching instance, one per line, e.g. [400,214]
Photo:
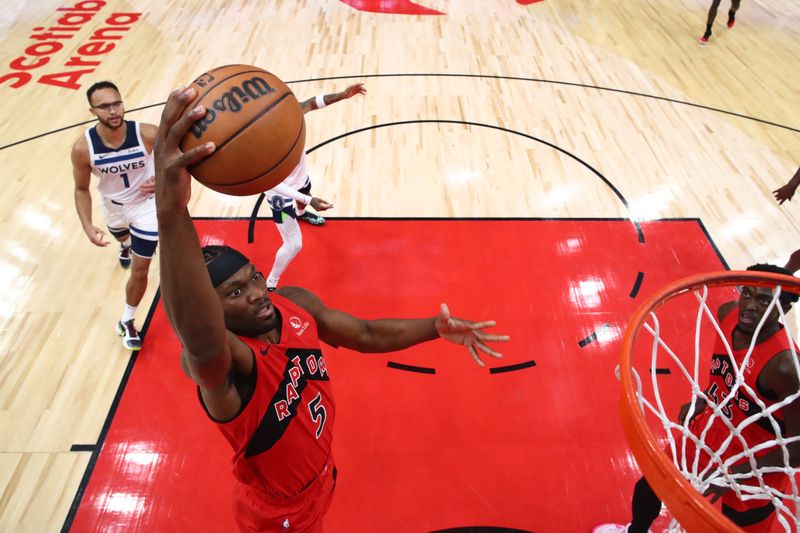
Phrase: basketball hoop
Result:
[658,441]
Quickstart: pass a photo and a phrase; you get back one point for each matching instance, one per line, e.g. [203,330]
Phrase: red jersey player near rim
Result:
[771,373]
[256,358]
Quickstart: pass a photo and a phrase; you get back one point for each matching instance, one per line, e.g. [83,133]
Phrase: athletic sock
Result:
[128,314]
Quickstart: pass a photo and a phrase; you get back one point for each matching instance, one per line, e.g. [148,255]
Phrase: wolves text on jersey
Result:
[123,167]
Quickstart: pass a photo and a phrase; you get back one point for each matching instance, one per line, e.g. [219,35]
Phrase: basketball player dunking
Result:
[119,152]
[256,358]
[289,199]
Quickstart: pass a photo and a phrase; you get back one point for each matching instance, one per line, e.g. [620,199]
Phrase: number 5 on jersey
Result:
[318,412]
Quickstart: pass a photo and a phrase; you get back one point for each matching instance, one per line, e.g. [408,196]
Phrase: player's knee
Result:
[140,268]
[139,276]
[294,246]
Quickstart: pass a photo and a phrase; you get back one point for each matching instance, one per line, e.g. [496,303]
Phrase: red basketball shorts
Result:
[257,511]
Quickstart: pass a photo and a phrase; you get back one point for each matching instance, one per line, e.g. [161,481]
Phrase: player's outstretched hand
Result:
[699,407]
[320,205]
[173,181]
[148,186]
[784,193]
[716,491]
[96,235]
[470,334]
[357,88]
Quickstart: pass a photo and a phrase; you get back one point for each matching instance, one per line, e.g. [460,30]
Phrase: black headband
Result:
[225,265]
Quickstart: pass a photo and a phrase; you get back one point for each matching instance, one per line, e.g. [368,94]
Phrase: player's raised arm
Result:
[192,305]
[391,334]
[787,191]
[324,100]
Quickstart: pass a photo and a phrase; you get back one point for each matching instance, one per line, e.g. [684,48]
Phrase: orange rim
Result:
[689,507]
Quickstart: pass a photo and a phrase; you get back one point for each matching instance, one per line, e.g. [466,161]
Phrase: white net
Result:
[706,450]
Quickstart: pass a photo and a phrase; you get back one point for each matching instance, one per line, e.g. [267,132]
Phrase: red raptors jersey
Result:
[283,435]
[742,405]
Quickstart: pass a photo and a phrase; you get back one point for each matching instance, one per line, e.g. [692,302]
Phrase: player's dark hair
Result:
[97,86]
[786,298]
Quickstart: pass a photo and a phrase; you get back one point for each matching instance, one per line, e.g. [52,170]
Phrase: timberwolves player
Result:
[290,198]
[119,152]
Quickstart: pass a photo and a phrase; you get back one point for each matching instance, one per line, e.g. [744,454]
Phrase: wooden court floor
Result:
[497,109]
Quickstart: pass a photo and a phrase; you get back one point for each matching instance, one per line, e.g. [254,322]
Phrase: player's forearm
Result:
[795,181]
[323,100]
[83,205]
[333,98]
[389,334]
[284,190]
[191,303]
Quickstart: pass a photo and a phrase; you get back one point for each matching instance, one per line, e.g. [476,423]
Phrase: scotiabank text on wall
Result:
[41,61]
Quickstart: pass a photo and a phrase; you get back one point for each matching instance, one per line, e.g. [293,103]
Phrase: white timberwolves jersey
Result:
[121,170]
[297,178]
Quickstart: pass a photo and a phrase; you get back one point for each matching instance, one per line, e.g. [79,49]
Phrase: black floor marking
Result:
[411,368]
[593,337]
[587,340]
[512,368]
[476,76]
[87,474]
[713,244]
[637,285]
[617,193]
[553,82]
[661,371]
[82,447]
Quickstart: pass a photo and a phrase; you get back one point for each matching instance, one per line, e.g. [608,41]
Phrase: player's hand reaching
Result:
[357,88]
[173,181]
[470,334]
[699,407]
[95,235]
[719,487]
[320,205]
[148,186]
[716,491]
[784,193]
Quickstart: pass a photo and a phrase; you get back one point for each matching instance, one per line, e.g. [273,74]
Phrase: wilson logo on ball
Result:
[256,125]
[232,100]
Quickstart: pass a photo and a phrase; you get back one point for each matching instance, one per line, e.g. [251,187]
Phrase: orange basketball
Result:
[257,125]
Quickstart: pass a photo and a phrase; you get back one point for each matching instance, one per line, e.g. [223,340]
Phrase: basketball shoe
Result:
[124,256]
[731,19]
[312,218]
[130,337]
